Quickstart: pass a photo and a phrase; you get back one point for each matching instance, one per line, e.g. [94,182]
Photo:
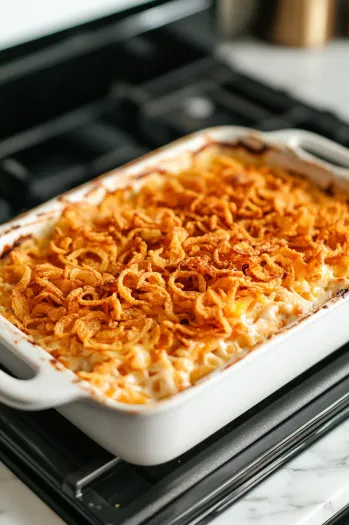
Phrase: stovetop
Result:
[77,104]
[80,103]
[80,480]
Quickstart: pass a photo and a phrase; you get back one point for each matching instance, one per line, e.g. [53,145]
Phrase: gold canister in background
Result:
[302,23]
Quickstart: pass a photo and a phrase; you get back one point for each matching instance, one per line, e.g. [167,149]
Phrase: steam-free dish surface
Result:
[155,287]
[146,286]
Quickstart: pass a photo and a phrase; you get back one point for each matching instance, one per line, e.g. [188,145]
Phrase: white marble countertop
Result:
[307,491]
[314,486]
[318,76]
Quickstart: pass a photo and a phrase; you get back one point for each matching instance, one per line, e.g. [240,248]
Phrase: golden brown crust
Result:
[135,293]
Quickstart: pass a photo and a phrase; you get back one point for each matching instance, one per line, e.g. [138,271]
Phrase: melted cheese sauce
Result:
[156,287]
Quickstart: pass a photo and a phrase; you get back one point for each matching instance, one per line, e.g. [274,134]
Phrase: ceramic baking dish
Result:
[156,433]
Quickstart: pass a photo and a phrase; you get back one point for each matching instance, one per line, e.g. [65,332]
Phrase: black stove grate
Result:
[71,111]
[81,480]
[105,95]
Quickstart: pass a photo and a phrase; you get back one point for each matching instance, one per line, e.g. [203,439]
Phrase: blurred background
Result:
[88,85]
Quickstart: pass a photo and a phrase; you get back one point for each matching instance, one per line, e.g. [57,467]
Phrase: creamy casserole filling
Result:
[151,290]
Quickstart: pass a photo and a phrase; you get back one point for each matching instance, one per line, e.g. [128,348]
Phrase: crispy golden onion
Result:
[150,291]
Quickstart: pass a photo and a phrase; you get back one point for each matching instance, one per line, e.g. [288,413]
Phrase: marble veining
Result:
[19,506]
[307,491]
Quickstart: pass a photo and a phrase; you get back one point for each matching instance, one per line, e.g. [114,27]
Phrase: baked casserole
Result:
[155,287]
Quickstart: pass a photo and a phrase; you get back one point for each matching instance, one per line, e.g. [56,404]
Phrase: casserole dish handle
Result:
[307,145]
[46,390]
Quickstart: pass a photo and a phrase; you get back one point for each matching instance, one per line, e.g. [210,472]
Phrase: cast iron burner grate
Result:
[73,106]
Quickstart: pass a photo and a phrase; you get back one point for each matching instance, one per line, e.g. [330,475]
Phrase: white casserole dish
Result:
[153,434]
